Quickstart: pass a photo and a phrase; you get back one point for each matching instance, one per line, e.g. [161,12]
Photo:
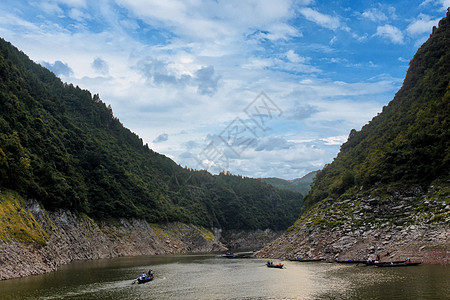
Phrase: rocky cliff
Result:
[36,241]
[404,224]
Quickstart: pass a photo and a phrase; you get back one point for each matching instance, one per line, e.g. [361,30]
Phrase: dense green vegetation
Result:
[63,147]
[301,185]
[409,142]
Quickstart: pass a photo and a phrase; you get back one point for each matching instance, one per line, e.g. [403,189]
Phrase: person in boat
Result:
[408,260]
[336,257]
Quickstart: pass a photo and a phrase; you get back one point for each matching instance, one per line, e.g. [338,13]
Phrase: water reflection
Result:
[210,277]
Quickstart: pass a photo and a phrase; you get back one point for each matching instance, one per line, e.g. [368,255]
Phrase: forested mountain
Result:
[301,185]
[408,143]
[386,194]
[62,146]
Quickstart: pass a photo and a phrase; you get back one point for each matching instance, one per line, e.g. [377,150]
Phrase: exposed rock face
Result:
[255,239]
[427,244]
[400,226]
[74,237]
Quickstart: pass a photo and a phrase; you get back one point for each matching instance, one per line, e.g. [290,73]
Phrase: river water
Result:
[212,277]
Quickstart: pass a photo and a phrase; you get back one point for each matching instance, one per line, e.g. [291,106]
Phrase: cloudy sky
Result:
[259,88]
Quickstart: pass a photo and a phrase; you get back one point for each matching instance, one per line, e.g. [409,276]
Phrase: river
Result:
[212,277]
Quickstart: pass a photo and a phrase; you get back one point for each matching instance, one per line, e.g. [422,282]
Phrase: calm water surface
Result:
[211,277]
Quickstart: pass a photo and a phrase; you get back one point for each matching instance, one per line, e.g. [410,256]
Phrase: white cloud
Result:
[49,7]
[390,32]
[375,15]
[295,63]
[216,20]
[10,20]
[333,40]
[335,140]
[78,14]
[444,3]
[423,24]
[294,57]
[380,13]
[258,63]
[323,20]
[280,32]
[53,7]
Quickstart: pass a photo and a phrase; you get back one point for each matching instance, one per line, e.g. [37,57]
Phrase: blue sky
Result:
[259,88]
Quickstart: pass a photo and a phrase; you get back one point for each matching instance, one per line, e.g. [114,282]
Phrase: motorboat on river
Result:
[145,278]
[270,264]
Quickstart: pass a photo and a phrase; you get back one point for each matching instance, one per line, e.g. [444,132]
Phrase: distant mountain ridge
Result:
[301,185]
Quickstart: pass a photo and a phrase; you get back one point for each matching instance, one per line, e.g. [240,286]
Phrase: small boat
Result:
[272,265]
[350,261]
[401,264]
[145,279]
[238,255]
[229,255]
[306,259]
[377,263]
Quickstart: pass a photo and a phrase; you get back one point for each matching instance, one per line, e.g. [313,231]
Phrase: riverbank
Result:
[35,241]
[404,224]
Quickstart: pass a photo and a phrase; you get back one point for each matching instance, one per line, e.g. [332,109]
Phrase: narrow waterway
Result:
[212,277]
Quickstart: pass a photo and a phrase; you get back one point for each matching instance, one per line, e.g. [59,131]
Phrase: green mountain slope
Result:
[63,147]
[301,185]
[386,195]
[409,142]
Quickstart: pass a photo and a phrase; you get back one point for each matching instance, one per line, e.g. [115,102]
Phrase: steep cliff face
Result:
[387,192]
[405,224]
[42,241]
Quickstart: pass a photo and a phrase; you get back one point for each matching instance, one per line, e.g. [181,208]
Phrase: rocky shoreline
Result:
[417,226]
[69,237]
[44,240]
[428,245]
